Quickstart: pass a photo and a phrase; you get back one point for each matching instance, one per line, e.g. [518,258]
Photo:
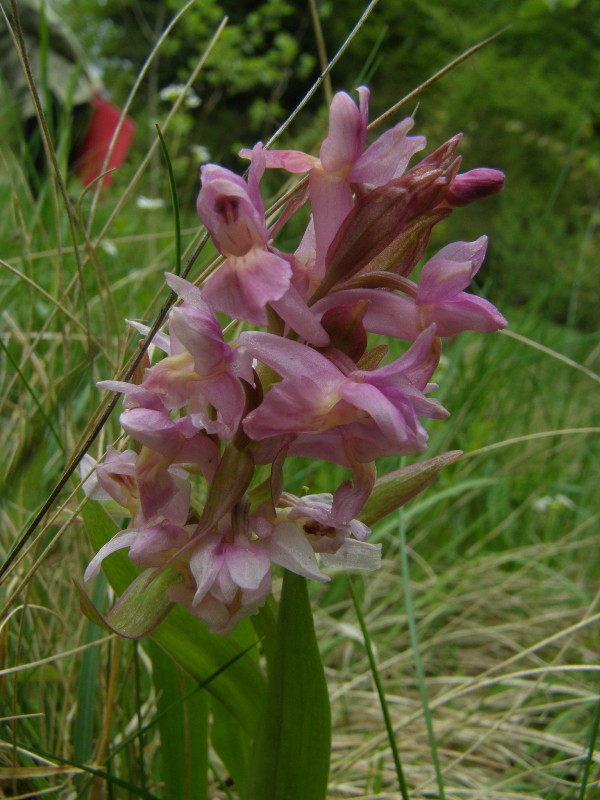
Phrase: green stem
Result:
[381,693]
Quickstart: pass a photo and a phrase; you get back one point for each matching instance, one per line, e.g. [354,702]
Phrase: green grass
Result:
[502,587]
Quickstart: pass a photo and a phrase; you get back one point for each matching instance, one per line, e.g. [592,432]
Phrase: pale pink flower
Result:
[438,298]
[254,274]
[230,570]
[344,163]
[150,546]
[333,411]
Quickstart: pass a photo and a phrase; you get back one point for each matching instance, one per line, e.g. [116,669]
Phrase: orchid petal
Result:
[347,133]
[187,291]
[292,160]
[388,314]
[118,542]
[465,312]
[354,555]
[243,286]
[230,214]
[135,395]
[288,358]
[288,548]
[91,487]
[247,566]
[160,340]
[294,311]
[450,271]
[331,202]
[388,156]
[205,563]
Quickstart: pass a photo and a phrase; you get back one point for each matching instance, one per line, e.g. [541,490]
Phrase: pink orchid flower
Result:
[144,483]
[163,489]
[438,298]
[149,546]
[113,478]
[320,521]
[344,162]
[333,411]
[229,574]
[200,373]
[254,274]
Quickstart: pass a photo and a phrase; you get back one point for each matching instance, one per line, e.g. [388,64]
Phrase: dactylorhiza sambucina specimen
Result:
[214,412]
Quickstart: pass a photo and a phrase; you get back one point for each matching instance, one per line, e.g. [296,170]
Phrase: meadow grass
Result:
[483,620]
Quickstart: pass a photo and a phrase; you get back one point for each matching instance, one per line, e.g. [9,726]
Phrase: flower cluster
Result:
[208,416]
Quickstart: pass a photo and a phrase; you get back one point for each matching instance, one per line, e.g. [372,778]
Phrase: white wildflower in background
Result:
[149,203]
[200,153]
[557,502]
[172,92]
[109,247]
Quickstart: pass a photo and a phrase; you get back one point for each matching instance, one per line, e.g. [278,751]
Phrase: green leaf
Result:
[290,758]
[183,727]
[230,743]
[240,687]
[397,488]
[87,692]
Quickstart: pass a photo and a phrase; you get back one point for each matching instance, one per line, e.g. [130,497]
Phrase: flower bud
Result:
[474,185]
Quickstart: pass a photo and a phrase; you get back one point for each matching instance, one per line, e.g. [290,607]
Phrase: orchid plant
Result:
[214,420]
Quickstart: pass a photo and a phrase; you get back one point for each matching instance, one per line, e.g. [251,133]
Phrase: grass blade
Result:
[174,200]
[590,753]
[412,630]
[381,693]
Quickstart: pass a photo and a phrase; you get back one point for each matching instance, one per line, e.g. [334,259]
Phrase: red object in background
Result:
[88,162]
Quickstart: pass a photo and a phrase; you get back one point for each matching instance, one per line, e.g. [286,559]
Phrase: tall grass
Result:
[501,555]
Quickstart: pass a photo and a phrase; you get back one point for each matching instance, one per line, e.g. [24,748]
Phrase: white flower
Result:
[550,503]
[200,153]
[191,99]
[172,92]
[149,203]
[109,247]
